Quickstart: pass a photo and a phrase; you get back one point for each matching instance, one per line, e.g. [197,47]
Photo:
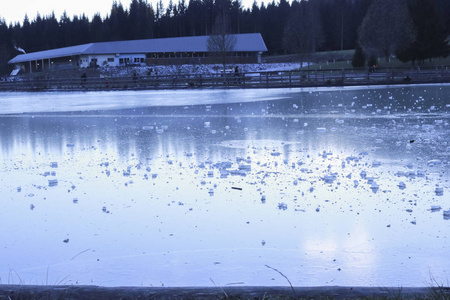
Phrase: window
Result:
[110,59]
[136,59]
[120,60]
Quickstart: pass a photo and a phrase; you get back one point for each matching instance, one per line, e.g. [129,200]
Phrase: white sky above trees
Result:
[13,11]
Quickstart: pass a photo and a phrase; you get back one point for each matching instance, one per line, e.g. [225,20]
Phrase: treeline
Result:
[335,24]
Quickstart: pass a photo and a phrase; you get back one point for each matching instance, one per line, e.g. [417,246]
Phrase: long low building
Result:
[181,50]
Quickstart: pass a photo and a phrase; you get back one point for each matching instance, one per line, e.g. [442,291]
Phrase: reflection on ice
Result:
[323,185]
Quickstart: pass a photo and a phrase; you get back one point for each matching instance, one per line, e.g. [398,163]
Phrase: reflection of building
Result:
[181,50]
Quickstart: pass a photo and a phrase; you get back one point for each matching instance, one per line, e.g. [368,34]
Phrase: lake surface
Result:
[324,186]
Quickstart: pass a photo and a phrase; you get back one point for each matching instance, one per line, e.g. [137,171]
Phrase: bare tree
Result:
[221,42]
[386,28]
[302,32]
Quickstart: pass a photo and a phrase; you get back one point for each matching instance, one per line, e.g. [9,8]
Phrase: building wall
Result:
[111,60]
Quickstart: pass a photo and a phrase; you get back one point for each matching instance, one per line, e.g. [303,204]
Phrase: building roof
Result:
[247,42]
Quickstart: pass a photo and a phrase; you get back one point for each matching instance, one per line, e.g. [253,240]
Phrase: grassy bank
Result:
[26,292]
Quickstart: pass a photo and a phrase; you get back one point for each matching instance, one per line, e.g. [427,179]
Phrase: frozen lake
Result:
[331,186]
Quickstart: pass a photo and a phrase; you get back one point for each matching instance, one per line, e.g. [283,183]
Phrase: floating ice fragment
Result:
[31,206]
[401,185]
[420,173]
[263,199]
[374,186]
[147,127]
[446,213]
[363,174]
[282,206]
[154,176]
[435,208]
[52,182]
[427,127]
[329,178]
[378,141]
[54,164]
[207,124]
[223,173]
[245,167]
[210,173]
[75,200]
[321,129]
[275,153]
[19,189]
[339,121]
[376,163]
[439,191]
[159,130]
[434,162]
[211,192]
[70,145]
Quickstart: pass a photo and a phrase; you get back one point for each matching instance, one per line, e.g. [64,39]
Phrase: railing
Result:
[302,78]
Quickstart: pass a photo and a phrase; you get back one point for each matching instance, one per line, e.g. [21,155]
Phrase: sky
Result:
[13,11]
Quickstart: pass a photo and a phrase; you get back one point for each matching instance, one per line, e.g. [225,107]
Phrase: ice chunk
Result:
[54,164]
[374,186]
[52,182]
[435,208]
[376,163]
[427,127]
[434,162]
[363,174]
[223,173]
[446,213]
[329,178]
[275,153]
[439,191]
[263,199]
[282,206]
[210,173]
[19,189]
[401,185]
[207,124]
[245,167]
[147,127]
[321,129]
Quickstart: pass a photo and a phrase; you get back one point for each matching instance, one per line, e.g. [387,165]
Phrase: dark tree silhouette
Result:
[387,28]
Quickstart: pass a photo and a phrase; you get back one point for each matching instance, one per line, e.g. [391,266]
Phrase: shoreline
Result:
[225,292]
